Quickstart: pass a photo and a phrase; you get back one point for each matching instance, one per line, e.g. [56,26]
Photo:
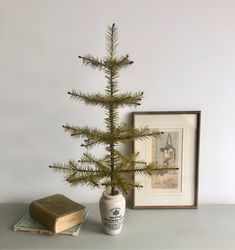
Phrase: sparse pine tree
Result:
[114,168]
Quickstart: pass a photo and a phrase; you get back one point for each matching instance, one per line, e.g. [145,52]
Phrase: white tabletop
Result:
[208,227]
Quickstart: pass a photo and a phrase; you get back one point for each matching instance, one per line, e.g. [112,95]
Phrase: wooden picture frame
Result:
[177,147]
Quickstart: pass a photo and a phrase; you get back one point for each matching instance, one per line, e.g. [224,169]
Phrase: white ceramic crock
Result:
[112,211]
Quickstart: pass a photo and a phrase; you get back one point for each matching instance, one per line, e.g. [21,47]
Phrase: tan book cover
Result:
[57,212]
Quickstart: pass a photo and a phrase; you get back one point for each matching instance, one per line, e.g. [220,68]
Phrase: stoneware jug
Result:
[112,211]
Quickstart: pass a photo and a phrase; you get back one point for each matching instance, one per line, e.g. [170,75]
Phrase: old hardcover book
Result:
[57,212]
[28,224]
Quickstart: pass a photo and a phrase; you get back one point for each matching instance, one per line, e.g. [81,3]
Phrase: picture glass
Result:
[167,151]
[176,149]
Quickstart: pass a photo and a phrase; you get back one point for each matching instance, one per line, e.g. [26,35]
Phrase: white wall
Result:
[184,53]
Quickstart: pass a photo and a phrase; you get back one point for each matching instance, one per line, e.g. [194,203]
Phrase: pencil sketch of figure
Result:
[167,151]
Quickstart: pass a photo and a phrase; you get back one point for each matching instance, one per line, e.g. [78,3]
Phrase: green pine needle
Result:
[105,101]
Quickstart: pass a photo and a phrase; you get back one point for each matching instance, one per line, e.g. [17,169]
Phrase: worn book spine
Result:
[42,215]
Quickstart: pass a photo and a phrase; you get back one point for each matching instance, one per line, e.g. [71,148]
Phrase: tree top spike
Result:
[113,25]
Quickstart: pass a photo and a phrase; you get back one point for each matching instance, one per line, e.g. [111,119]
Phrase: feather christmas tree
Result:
[113,170]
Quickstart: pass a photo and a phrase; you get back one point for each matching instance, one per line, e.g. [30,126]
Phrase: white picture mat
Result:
[148,196]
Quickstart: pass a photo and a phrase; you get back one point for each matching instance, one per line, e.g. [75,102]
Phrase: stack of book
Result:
[51,215]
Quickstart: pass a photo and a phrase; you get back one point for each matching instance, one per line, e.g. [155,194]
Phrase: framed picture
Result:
[177,147]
